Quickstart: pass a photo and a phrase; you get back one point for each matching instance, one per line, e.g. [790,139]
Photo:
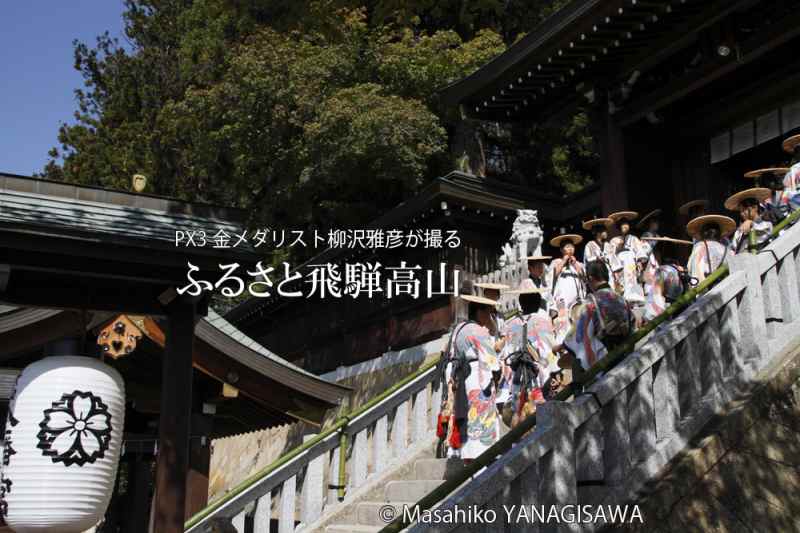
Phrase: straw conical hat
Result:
[652,214]
[758,194]
[790,143]
[776,171]
[488,285]
[526,287]
[589,224]
[478,299]
[726,224]
[685,208]
[623,215]
[574,239]
[538,257]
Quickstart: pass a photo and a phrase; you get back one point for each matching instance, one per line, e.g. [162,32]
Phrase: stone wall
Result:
[237,457]
[741,473]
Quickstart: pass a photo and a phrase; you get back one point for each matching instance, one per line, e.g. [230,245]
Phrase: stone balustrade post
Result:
[752,319]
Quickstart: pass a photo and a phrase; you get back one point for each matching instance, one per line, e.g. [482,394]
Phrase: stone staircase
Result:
[403,488]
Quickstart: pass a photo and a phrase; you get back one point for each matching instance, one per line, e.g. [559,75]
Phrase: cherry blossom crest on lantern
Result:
[76,429]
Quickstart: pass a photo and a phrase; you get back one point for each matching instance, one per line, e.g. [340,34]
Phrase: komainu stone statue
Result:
[526,238]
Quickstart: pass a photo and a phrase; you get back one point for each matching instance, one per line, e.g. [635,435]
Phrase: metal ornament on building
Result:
[63,440]
[121,336]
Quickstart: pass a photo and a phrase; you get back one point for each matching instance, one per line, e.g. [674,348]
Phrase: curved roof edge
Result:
[221,335]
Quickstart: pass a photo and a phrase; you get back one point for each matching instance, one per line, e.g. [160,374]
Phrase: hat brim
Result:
[538,257]
[652,214]
[606,222]
[667,239]
[726,224]
[619,216]
[758,194]
[791,143]
[556,242]
[524,291]
[684,209]
[487,285]
[478,300]
[778,171]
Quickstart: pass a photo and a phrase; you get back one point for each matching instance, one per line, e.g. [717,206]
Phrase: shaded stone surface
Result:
[742,473]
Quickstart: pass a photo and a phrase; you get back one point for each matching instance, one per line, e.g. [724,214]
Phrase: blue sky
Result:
[38,78]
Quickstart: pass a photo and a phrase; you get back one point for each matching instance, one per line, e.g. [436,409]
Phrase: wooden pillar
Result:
[614,187]
[139,478]
[169,503]
[199,463]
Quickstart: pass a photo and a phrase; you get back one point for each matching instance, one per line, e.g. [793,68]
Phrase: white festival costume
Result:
[594,252]
[475,346]
[630,252]
[762,229]
[568,290]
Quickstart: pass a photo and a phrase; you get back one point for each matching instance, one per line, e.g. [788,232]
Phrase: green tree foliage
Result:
[308,113]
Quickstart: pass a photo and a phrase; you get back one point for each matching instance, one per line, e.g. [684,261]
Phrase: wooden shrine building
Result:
[685,96]
[101,267]
[322,334]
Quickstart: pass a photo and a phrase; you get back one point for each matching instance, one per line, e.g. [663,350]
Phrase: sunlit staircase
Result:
[387,500]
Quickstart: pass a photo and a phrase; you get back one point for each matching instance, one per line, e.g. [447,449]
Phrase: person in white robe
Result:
[537,273]
[527,358]
[753,231]
[631,255]
[791,181]
[568,282]
[708,250]
[599,248]
[471,368]
[650,225]
[493,291]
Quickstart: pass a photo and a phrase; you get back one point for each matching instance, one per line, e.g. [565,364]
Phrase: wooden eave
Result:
[588,44]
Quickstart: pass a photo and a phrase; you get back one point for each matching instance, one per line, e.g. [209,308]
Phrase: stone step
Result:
[404,491]
[373,513]
[351,528]
[436,468]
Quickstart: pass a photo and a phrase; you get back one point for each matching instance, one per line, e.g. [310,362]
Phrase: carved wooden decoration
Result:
[120,336]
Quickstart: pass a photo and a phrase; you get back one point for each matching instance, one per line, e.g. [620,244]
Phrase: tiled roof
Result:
[224,336]
[39,205]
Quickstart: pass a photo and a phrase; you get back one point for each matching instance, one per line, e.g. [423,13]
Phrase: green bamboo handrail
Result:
[339,425]
[509,439]
[791,219]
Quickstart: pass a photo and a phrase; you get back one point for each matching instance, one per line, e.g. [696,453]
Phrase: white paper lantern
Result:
[63,439]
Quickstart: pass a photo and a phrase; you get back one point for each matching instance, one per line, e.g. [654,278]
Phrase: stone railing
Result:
[302,484]
[511,275]
[601,447]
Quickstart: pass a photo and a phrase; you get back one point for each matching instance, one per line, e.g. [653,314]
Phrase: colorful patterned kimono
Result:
[762,229]
[789,197]
[629,252]
[594,252]
[541,339]
[506,374]
[547,297]
[706,257]
[604,314]
[651,268]
[666,288]
[474,346]
[568,289]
